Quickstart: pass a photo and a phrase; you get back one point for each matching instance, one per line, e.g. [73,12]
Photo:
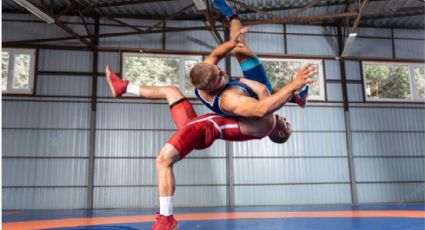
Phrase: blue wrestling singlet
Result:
[215,104]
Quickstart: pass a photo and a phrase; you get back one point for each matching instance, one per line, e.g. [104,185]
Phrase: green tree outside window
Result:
[4,69]
[387,81]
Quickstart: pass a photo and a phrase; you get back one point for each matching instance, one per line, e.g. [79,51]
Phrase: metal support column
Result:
[92,140]
[348,133]
[228,144]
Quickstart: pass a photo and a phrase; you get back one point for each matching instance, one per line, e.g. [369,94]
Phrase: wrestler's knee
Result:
[167,157]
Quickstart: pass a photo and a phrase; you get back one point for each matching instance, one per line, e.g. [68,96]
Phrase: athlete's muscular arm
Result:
[258,88]
[233,102]
[222,50]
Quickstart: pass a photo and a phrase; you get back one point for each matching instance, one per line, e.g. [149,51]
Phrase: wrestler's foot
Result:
[301,97]
[165,223]
[224,8]
[116,84]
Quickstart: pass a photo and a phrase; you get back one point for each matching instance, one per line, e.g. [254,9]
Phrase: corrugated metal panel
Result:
[352,70]
[389,169]
[147,197]
[186,24]
[410,49]
[314,118]
[125,197]
[334,91]
[355,92]
[16,31]
[405,33]
[137,116]
[387,119]
[274,170]
[108,58]
[200,196]
[64,85]
[201,171]
[369,47]
[332,70]
[305,29]
[235,67]
[388,192]
[59,60]
[152,8]
[134,116]
[292,194]
[147,41]
[266,43]
[198,40]
[311,144]
[45,115]
[373,32]
[44,198]
[191,41]
[388,6]
[44,172]
[10,16]
[266,28]
[142,24]
[156,9]
[62,143]
[312,45]
[388,144]
[124,172]
[103,89]
[126,143]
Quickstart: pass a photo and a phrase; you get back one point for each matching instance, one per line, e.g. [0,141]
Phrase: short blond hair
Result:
[201,75]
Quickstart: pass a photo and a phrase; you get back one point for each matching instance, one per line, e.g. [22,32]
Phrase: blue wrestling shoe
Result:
[224,8]
[302,96]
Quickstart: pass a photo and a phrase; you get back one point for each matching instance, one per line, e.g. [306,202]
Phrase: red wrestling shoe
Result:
[117,85]
[165,223]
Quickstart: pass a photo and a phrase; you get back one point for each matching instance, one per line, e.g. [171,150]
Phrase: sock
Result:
[166,205]
[224,8]
[133,89]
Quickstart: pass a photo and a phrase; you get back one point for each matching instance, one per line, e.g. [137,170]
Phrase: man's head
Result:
[208,77]
[281,131]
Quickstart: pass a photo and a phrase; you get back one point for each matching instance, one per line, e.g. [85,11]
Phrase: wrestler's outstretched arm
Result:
[234,103]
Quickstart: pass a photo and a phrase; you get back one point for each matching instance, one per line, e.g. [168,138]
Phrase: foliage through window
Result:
[160,70]
[393,81]
[18,70]
[281,71]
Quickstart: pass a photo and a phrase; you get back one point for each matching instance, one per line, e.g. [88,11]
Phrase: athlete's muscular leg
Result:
[170,93]
[240,53]
[164,169]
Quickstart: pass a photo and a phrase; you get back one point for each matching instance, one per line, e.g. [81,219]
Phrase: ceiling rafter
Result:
[200,5]
[314,18]
[126,2]
[67,29]
[253,9]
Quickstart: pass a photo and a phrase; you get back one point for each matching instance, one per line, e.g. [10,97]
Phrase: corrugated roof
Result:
[379,13]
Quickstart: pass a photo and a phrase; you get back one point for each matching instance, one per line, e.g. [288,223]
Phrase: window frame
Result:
[320,73]
[11,70]
[412,86]
[181,73]
[413,81]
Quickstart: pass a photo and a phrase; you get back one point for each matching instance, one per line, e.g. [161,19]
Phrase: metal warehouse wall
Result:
[46,138]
